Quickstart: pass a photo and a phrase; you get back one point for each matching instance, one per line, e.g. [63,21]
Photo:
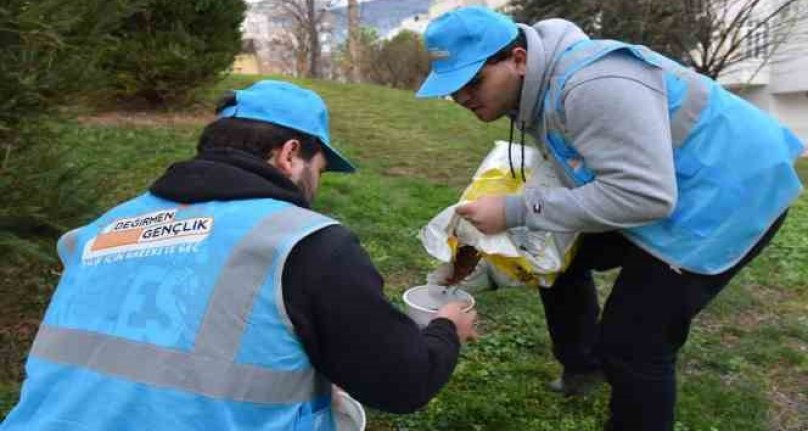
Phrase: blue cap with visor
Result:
[459,42]
[289,105]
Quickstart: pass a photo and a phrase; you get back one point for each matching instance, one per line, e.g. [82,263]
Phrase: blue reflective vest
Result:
[171,317]
[734,163]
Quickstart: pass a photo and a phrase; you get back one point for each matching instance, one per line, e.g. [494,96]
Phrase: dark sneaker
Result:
[576,384]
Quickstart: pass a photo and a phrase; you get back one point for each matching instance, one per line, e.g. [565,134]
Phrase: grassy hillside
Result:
[744,367]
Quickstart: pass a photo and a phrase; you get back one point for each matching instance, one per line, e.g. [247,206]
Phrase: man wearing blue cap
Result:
[218,301]
[668,177]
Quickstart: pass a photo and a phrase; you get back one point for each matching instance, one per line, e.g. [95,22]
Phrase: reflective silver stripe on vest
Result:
[67,243]
[698,94]
[683,120]
[242,277]
[697,98]
[209,369]
[161,367]
[591,49]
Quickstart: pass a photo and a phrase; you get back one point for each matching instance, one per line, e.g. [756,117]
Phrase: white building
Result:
[266,32]
[775,75]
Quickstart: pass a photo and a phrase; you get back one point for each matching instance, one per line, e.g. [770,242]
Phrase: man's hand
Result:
[463,320]
[487,214]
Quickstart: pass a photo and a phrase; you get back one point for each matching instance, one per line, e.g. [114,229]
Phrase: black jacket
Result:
[332,292]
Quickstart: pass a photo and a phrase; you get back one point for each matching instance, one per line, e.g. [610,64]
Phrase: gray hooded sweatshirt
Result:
[617,117]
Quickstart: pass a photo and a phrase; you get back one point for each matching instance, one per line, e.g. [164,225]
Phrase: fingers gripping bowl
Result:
[423,302]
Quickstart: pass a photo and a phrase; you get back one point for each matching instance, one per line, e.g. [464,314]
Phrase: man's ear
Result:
[284,156]
[519,56]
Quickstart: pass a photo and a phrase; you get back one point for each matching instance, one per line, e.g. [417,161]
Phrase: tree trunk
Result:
[354,56]
[314,40]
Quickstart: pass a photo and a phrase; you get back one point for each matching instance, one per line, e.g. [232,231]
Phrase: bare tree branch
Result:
[308,17]
[773,23]
[708,35]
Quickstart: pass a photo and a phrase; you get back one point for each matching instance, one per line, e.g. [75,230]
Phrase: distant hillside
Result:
[383,15]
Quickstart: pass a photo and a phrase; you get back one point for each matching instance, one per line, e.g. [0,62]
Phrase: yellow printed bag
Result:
[518,255]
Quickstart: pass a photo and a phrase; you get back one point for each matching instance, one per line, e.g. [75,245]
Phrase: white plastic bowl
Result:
[424,301]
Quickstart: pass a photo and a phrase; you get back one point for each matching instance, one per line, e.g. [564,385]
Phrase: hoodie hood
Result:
[225,174]
[546,40]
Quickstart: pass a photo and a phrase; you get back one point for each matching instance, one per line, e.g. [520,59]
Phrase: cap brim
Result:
[439,84]
[336,162]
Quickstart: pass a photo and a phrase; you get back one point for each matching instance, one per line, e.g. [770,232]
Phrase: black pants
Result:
[645,322]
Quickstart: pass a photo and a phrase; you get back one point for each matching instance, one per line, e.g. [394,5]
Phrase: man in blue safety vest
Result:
[669,177]
[218,301]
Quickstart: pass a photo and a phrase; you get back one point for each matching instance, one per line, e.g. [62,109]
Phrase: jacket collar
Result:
[225,174]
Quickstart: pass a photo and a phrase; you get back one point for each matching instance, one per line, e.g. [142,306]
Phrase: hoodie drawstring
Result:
[510,146]
[522,143]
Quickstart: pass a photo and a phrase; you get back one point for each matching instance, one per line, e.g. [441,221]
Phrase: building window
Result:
[757,39]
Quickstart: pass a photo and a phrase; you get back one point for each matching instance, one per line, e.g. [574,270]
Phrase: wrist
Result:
[515,211]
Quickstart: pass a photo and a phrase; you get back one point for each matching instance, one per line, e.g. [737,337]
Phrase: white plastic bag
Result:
[519,255]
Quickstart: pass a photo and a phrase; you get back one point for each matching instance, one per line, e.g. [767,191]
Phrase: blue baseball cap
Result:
[289,105]
[459,42]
